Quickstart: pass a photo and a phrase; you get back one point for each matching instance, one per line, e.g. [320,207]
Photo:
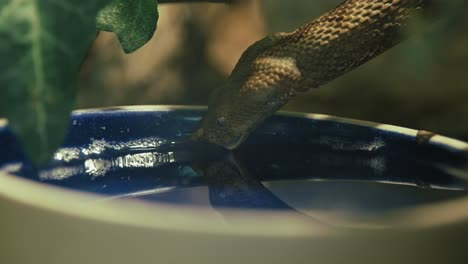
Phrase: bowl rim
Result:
[160,216]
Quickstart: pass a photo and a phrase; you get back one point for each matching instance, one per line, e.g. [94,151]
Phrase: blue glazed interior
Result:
[283,148]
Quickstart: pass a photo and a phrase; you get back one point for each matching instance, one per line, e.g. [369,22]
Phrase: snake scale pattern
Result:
[282,65]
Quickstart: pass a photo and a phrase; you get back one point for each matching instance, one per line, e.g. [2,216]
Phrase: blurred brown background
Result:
[421,83]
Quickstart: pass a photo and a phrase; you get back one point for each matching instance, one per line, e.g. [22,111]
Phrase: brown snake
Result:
[279,66]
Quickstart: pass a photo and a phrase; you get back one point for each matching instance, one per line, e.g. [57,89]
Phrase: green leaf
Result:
[133,21]
[42,44]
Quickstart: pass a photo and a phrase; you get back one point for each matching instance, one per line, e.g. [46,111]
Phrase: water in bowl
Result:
[318,179]
[318,168]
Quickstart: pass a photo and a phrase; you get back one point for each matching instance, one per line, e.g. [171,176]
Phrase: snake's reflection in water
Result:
[232,186]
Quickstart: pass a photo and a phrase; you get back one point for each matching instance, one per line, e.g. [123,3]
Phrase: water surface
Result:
[317,168]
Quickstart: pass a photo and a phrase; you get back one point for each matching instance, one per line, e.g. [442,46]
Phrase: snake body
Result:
[282,65]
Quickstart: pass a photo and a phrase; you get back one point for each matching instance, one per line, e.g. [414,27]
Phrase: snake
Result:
[282,65]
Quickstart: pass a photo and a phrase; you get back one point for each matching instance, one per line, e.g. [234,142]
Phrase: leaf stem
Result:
[194,1]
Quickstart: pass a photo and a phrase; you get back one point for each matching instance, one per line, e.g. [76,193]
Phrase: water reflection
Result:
[231,185]
[330,175]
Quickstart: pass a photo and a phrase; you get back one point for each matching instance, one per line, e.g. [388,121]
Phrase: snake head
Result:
[230,118]
[259,85]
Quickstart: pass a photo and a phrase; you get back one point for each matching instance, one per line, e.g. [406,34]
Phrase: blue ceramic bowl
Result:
[287,147]
[140,152]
